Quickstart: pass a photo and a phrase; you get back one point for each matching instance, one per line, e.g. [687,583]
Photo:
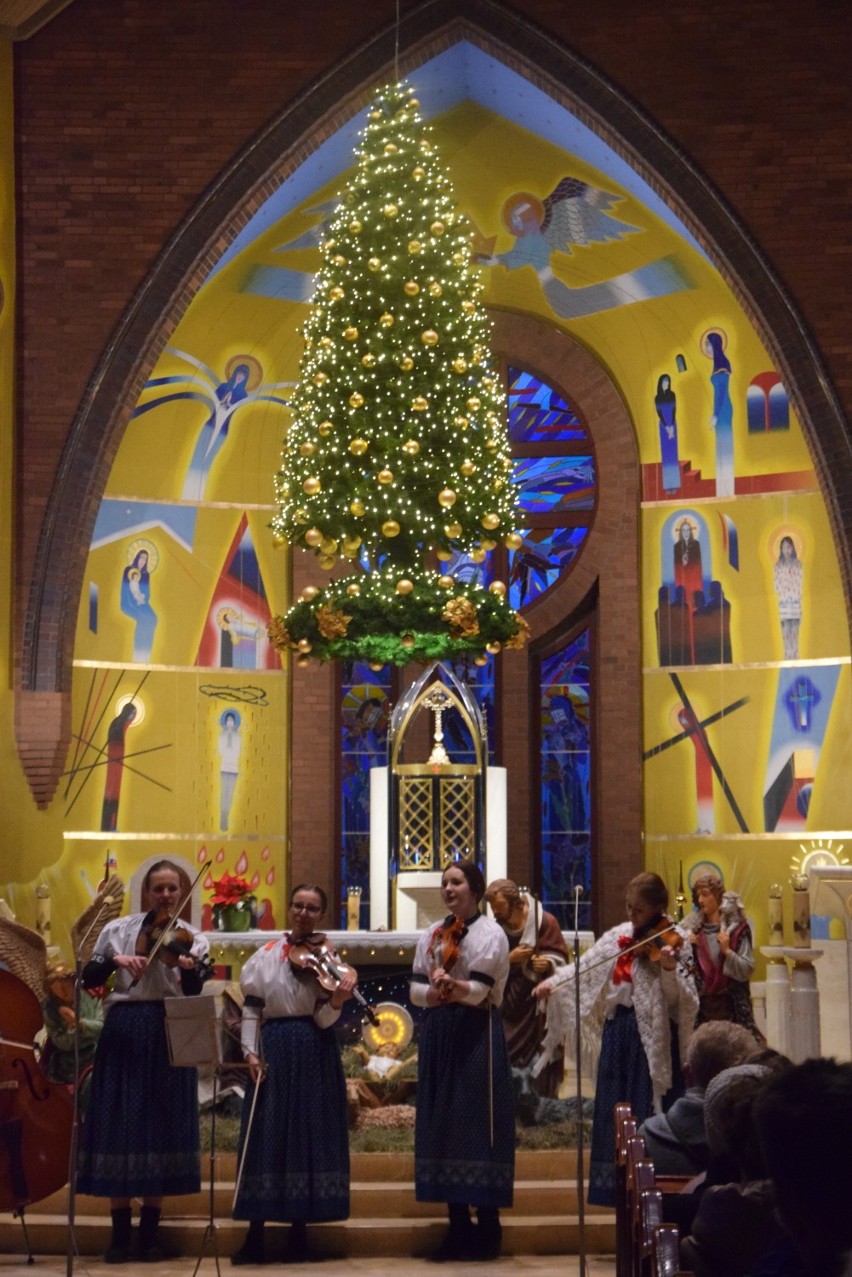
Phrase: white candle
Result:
[353,909]
[801,912]
[776,915]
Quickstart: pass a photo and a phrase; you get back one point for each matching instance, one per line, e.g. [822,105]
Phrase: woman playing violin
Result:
[637,1009]
[140,1134]
[464,1138]
[294,1147]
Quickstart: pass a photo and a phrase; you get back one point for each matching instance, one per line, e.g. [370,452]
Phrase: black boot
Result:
[296,1251]
[252,1250]
[151,1247]
[118,1251]
[458,1244]
[489,1233]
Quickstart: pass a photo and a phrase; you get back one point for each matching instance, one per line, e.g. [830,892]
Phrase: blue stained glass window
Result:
[365,708]
[538,412]
[556,483]
[565,806]
[541,560]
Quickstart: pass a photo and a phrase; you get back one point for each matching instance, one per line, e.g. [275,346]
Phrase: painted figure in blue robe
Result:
[214,432]
[722,420]
[665,401]
[136,603]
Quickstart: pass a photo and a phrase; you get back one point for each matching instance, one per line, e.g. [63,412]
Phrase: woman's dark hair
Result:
[472,873]
[651,888]
[310,886]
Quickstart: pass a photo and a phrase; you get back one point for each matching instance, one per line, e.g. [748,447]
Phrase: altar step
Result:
[385,1221]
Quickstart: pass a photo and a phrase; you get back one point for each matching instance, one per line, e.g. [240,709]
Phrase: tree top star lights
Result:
[398,445]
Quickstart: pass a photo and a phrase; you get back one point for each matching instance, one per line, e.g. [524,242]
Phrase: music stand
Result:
[194,1033]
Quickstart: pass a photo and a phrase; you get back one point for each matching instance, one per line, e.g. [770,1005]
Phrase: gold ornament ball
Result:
[328,545]
[467,468]
[460,364]
[353,590]
[404,586]
[374,263]
[437,228]
[487,544]
[420,404]
[351,333]
[477,555]
[406,363]
[368,360]
[375,115]
[474,404]
[301,515]
[513,541]
[458,259]
[498,587]
[391,148]
[320,378]
[278,539]
[435,289]
[356,400]
[461,422]
[351,544]
[411,446]
[411,287]
[425,146]
[326,561]
[452,530]
[480,660]
[304,645]
[493,648]
[336,294]
[358,446]
[385,476]
[444,555]
[303,661]
[386,319]
[468,307]
[498,484]
[307,448]
[326,343]
[446,582]
[338,260]
[309,593]
[408,640]
[390,211]
[418,173]
[357,508]
[312,485]
[413,103]
[429,337]
[376,665]
[325,428]
[446,497]
[356,227]
[414,247]
[490,522]
[390,528]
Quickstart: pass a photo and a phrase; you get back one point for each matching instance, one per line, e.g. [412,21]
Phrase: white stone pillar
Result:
[804,1004]
[777,999]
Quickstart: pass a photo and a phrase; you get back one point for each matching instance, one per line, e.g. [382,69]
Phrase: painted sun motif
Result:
[818,852]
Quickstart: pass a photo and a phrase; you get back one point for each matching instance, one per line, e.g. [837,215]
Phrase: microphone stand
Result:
[75,1119]
[581,1205]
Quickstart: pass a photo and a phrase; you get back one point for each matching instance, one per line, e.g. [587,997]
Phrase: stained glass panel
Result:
[365,708]
[538,413]
[541,560]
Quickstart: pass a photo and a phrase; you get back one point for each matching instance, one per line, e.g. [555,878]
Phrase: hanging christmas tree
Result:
[398,447]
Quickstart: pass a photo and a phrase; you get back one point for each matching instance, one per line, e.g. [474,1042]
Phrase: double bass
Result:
[36,1115]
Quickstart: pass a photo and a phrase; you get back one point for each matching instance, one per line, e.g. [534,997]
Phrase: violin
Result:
[662,935]
[451,935]
[328,969]
[161,936]
[36,1115]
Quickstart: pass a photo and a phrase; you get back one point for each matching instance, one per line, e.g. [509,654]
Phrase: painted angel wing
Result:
[576,213]
[24,953]
[104,908]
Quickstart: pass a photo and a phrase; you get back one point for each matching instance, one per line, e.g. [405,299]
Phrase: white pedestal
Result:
[417,892]
[777,999]
[804,1004]
[831,896]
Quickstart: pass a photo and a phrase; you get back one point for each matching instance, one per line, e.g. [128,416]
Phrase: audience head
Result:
[728,1104]
[715,1046]
[804,1124]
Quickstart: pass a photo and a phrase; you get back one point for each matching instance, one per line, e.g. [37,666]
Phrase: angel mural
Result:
[576,214]
[222,398]
[142,559]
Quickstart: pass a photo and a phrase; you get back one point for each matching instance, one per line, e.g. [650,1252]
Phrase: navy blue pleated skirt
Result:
[623,1074]
[297,1162]
[140,1133]
[464,1137]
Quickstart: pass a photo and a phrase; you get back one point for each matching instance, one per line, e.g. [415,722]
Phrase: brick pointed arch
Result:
[52,556]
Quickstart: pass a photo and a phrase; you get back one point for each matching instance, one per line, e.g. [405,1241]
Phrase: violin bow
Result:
[175,918]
